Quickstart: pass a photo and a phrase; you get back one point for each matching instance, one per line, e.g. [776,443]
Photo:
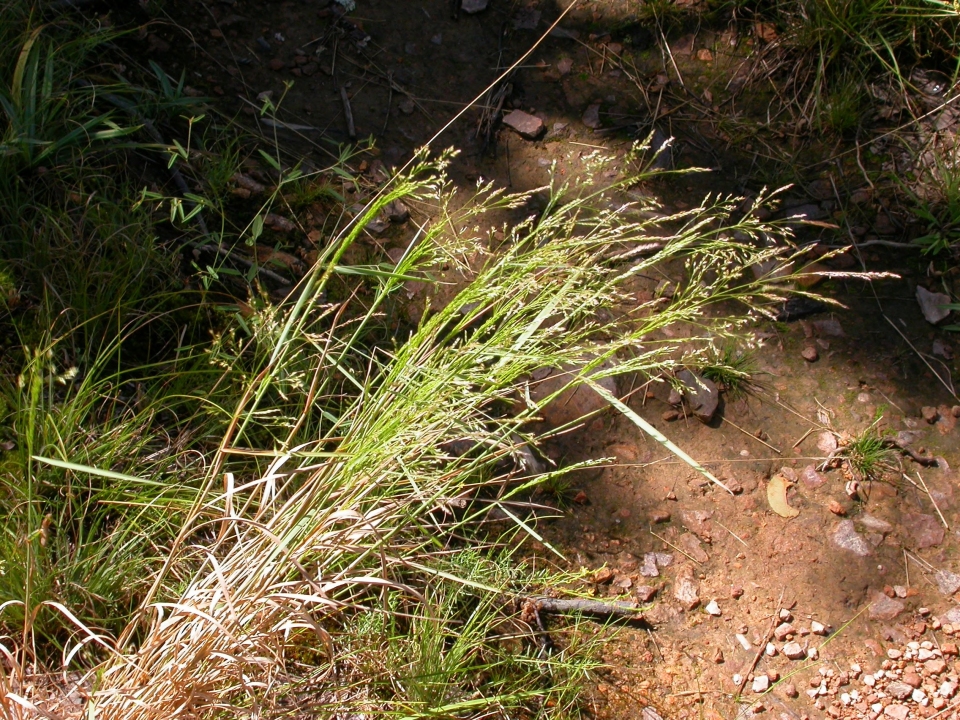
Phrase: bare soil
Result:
[408,68]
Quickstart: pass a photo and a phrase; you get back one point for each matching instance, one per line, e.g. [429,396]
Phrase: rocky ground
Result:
[798,594]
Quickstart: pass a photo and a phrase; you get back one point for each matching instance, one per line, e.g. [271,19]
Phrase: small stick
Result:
[749,434]
[906,567]
[667,542]
[803,437]
[588,607]
[935,506]
[348,111]
[943,712]
[762,647]
[743,542]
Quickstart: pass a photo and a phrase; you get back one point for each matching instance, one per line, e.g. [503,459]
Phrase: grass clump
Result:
[867,455]
[732,369]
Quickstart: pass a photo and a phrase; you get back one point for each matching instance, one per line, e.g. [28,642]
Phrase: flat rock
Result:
[698,522]
[687,592]
[649,567]
[591,116]
[884,608]
[846,537]
[932,304]
[572,401]
[701,394]
[805,212]
[875,524]
[952,616]
[793,651]
[947,582]
[896,712]
[473,6]
[526,125]
[899,690]
[828,327]
[925,530]
[396,212]
[827,442]
[811,478]
[645,593]
[690,544]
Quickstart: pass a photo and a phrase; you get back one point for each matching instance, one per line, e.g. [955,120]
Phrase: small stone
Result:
[811,478]
[911,678]
[526,125]
[790,690]
[591,116]
[761,683]
[686,591]
[276,64]
[885,609]
[670,415]
[783,631]
[935,666]
[899,690]
[827,443]
[701,394]
[949,648]
[603,575]
[645,593]
[812,653]
[659,516]
[744,643]
[810,353]
[930,414]
[870,522]
[948,689]
[713,608]
[784,614]
[693,547]
[869,680]
[818,628]
[718,657]
[793,651]
[894,653]
[407,106]
[925,530]
[649,567]
[736,592]
[897,712]
[564,65]
[836,508]
[846,537]
[932,305]
[473,6]
[770,650]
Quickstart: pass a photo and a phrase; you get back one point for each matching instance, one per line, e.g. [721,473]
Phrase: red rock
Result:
[276,64]
[526,125]
[810,353]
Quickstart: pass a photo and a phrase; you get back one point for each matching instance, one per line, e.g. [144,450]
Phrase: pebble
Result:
[686,590]
[811,478]
[713,608]
[827,442]
[645,593]
[930,414]
[701,394]
[761,683]
[810,353]
[793,651]
[771,650]
[526,125]
[925,530]
[932,304]
[473,6]
[591,116]
[846,537]
[790,690]
[818,628]
[783,631]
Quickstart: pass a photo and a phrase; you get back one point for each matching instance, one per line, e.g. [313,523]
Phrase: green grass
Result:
[732,370]
[866,454]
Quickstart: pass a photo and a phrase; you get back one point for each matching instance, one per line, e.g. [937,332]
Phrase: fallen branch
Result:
[596,608]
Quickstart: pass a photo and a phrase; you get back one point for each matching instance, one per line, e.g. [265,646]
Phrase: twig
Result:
[742,541]
[596,608]
[348,111]
[751,435]
[762,647]
[921,356]
[943,712]
[679,550]
[935,506]
[802,438]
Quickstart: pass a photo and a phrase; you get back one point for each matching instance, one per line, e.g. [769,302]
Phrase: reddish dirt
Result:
[743,555]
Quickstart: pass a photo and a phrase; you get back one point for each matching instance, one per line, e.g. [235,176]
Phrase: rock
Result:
[805,212]
[675,398]
[526,125]
[771,650]
[692,546]
[603,575]
[947,582]
[701,394]
[569,404]
[687,592]
[649,567]
[899,690]
[818,628]
[793,651]
[827,442]
[648,713]
[951,617]
[659,516]
[875,524]
[810,353]
[942,349]
[474,6]
[846,537]
[911,678]
[761,683]
[932,305]
[884,608]
[276,64]
[836,508]
[564,66]
[811,478]
[790,690]
[925,530]
[828,327]
[645,593]
[591,116]
[713,608]
[783,631]
[897,712]
[526,19]
[670,415]
[396,212]
[935,666]
[930,414]
[698,522]
[407,106]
